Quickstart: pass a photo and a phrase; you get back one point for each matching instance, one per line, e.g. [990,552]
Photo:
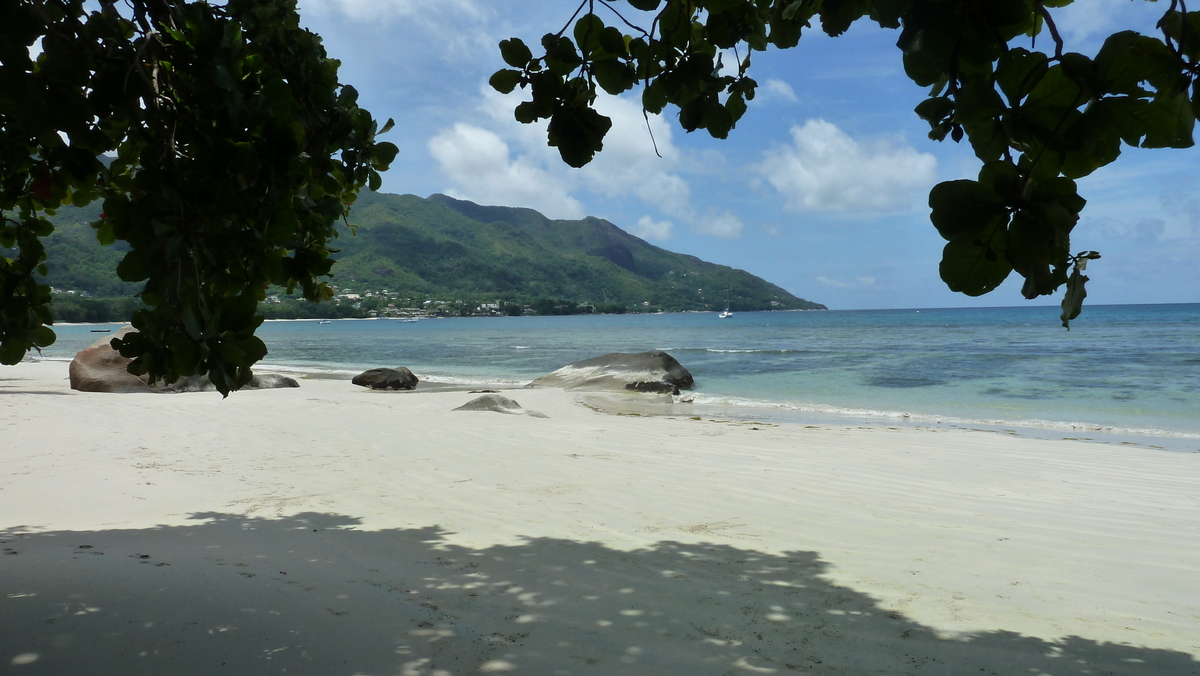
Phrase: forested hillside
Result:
[443,249]
[442,245]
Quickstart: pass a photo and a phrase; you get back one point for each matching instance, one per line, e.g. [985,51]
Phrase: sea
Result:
[1123,374]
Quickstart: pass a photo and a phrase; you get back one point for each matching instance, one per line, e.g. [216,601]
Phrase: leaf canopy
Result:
[221,144]
[1035,119]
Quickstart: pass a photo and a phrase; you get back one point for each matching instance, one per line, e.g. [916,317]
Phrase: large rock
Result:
[499,404]
[399,378]
[654,371]
[100,368]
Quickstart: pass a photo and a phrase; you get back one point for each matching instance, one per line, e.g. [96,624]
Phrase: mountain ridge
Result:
[444,248]
[586,260]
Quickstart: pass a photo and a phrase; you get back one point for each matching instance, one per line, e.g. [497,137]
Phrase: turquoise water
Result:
[1121,369]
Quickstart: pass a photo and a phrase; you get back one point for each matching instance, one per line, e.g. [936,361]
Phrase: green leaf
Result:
[1032,250]
[42,336]
[505,80]
[974,263]
[654,97]
[934,110]
[613,76]
[929,41]
[578,133]
[887,13]
[136,266]
[1018,71]
[1072,302]
[837,15]
[1173,120]
[561,57]
[13,350]
[645,5]
[587,32]
[988,139]
[1002,178]
[526,112]
[1054,91]
[964,206]
[383,154]
[736,105]
[515,53]
[613,42]
[717,120]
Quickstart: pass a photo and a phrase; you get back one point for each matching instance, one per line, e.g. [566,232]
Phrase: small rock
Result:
[499,404]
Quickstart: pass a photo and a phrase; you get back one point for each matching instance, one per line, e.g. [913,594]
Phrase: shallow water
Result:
[1129,371]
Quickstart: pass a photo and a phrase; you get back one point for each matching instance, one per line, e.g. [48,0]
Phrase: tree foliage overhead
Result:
[1037,120]
[221,144]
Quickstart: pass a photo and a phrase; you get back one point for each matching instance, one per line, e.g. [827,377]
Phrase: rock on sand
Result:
[100,368]
[399,378]
[653,371]
[499,404]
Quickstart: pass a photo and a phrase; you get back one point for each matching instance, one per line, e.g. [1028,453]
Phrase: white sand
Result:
[333,530]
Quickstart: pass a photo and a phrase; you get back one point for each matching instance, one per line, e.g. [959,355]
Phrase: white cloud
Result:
[776,90]
[479,164]
[726,225]
[826,170]
[511,164]
[628,165]
[648,228]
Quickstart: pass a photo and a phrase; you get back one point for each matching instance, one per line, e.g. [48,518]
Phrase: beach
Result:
[329,529]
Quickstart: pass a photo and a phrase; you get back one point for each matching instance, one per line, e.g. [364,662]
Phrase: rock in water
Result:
[399,378]
[499,404]
[100,368]
[654,371]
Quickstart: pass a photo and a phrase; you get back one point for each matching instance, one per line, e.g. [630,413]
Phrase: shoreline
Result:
[789,413]
[385,531]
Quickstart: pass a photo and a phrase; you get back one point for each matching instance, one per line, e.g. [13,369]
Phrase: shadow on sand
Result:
[309,594]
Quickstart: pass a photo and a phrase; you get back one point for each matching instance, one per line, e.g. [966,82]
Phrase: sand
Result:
[333,530]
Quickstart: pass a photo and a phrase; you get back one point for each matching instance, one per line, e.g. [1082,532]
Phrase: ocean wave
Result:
[521,347]
[1056,426]
[731,350]
[341,373]
[457,380]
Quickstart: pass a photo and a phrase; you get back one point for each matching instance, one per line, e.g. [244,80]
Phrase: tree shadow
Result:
[310,594]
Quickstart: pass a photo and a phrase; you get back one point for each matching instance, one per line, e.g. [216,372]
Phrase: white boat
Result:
[726,314]
[324,321]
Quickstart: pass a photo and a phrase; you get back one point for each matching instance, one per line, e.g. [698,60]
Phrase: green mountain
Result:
[442,248]
[441,245]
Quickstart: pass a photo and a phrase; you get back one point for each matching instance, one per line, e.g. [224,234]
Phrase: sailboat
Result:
[726,314]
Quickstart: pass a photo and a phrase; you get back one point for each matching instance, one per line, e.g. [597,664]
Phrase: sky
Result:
[821,188]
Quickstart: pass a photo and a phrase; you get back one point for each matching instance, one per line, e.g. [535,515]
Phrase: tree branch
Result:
[639,29]
[1058,41]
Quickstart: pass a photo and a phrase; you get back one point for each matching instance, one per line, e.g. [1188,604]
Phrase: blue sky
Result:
[820,189]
